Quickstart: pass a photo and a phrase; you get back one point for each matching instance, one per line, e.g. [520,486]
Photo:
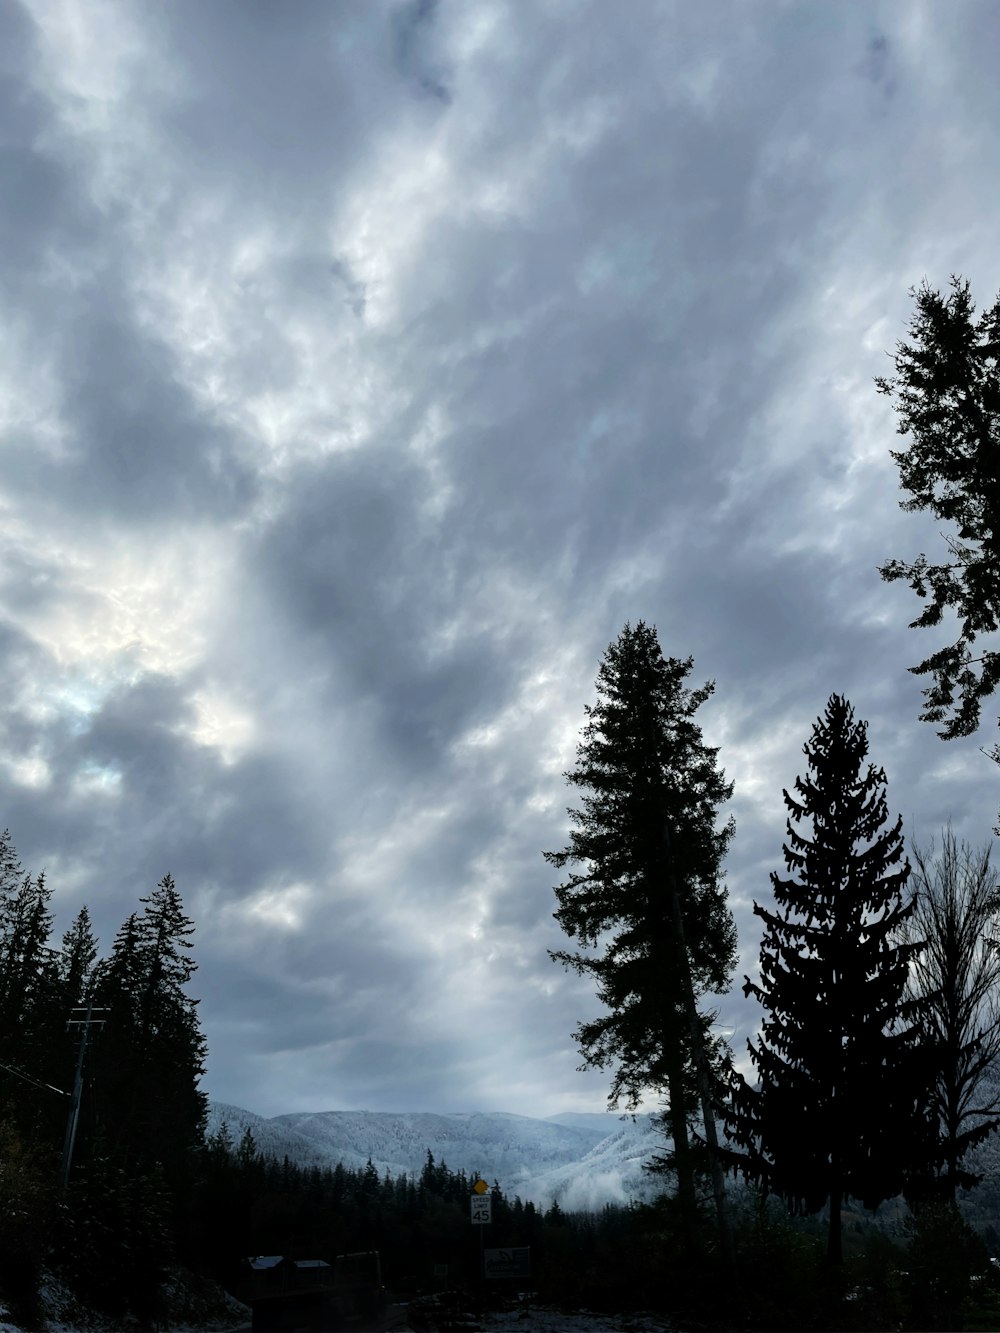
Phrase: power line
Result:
[33,1081]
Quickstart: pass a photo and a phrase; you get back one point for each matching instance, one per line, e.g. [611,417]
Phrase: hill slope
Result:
[584,1161]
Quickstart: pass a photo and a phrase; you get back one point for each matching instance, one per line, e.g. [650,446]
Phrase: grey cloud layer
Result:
[366,369]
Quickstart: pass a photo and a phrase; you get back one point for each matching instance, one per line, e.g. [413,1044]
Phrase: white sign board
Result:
[508,1263]
[482,1209]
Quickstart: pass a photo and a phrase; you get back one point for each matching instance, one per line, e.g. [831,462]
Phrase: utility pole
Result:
[84,1024]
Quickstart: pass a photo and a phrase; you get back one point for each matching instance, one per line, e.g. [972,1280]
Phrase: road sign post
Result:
[481,1215]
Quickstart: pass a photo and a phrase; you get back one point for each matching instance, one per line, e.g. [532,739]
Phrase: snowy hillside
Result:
[584,1161]
[608,1122]
[611,1172]
[272,1139]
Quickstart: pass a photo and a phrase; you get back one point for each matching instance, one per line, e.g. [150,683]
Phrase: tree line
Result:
[878,984]
[255,1204]
[133,1137]
[149,1188]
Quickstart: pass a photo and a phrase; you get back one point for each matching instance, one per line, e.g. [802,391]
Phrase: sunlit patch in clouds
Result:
[97,779]
[27,771]
[380,230]
[94,63]
[126,609]
[221,724]
[283,906]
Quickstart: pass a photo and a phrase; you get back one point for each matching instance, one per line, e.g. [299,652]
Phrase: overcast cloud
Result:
[365,367]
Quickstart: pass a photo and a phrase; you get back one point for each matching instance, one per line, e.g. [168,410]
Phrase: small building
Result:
[265,1267]
[308,1273]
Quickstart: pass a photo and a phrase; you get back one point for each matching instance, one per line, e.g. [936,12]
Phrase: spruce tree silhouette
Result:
[842,1107]
[947,397]
[151,1056]
[645,770]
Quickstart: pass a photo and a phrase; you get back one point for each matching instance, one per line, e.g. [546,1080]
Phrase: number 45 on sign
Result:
[482,1209]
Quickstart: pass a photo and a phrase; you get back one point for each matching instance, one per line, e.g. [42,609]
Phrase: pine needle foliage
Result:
[947,397]
[648,897]
[841,1106]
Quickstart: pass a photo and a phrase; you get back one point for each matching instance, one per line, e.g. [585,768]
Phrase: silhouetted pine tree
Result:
[32,1011]
[28,972]
[79,952]
[112,1242]
[11,874]
[370,1185]
[947,398]
[246,1152]
[650,890]
[74,970]
[842,1107]
[118,1061]
[151,1055]
[169,1015]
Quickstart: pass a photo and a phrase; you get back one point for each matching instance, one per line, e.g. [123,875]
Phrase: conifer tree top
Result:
[842,1104]
[648,890]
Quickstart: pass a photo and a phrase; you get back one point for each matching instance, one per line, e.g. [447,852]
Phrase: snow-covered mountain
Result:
[584,1161]
[272,1139]
[611,1172]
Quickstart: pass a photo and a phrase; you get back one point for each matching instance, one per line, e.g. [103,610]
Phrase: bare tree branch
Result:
[956,976]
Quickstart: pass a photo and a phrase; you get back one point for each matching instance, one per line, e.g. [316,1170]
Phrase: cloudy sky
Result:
[366,365]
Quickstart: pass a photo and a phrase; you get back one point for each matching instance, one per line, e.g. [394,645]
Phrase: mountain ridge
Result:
[582,1164]
[574,1158]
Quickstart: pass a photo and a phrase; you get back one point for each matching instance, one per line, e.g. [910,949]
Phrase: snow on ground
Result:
[58,1326]
[512,1321]
[528,1317]
[62,1317]
[577,1321]
[198,1307]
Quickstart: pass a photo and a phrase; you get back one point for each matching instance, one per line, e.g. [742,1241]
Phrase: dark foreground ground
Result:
[452,1313]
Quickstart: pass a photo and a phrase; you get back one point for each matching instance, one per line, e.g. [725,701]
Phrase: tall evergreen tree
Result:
[649,893]
[30,996]
[118,1054]
[73,969]
[152,1054]
[169,1023]
[33,1011]
[842,1105]
[11,875]
[79,952]
[946,392]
